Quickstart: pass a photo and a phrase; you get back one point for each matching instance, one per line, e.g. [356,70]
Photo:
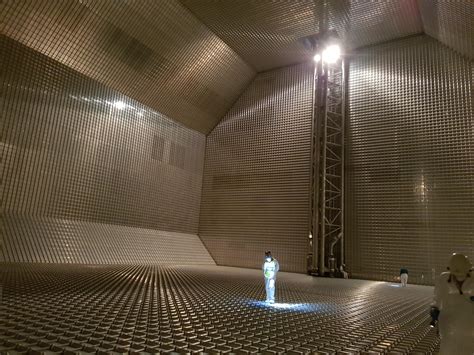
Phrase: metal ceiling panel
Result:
[265,33]
[450,22]
[155,52]
[268,34]
[368,22]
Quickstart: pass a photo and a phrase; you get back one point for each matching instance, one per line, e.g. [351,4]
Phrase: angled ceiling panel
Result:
[265,33]
[451,23]
[268,34]
[370,22]
[156,52]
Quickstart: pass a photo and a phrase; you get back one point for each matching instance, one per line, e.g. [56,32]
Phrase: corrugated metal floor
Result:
[103,309]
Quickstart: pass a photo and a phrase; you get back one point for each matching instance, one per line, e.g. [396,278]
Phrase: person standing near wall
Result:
[404,276]
[453,305]
[343,271]
[270,268]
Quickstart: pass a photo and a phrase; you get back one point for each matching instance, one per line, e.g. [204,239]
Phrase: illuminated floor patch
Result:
[148,309]
[294,307]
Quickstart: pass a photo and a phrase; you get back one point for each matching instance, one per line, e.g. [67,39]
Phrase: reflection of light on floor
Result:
[394,285]
[304,307]
[285,305]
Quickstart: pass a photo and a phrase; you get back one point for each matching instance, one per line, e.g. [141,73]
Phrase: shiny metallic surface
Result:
[116,207]
[266,34]
[269,34]
[94,156]
[451,23]
[74,309]
[328,213]
[41,239]
[256,180]
[366,23]
[410,163]
[82,163]
[155,52]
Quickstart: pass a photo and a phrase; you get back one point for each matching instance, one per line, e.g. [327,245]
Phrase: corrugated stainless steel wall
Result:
[75,150]
[410,161]
[256,176]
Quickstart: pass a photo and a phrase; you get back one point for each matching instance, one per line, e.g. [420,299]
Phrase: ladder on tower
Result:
[327,185]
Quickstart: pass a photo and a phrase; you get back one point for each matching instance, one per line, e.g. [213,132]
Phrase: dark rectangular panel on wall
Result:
[73,149]
[410,162]
[256,175]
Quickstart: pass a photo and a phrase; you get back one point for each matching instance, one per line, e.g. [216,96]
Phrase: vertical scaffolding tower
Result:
[327,173]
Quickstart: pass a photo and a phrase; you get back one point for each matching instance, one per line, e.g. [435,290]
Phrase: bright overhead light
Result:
[332,53]
[120,105]
[317,58]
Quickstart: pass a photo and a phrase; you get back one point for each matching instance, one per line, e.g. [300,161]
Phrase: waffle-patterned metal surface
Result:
[52,240]
[268,34]
[256,181]
[75,149]
[410,167]
[155,52]
[75,309]
[451,23]
[88,174]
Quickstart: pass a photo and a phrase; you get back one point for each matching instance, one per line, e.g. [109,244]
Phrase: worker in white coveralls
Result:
[453,307]
[270,268]
[404,276]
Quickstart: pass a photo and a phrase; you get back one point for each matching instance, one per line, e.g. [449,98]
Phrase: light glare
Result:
[119,105]
[317,58]
[296,307]
[285,305]
[332,53]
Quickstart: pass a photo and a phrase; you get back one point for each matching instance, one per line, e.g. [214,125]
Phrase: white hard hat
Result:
[459,265]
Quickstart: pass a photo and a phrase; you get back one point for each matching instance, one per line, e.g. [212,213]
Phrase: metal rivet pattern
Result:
[256,180]
[53,240]
[148,309]
[82,177]
[410,167]
[155,52]
[267,34]
[451,22]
